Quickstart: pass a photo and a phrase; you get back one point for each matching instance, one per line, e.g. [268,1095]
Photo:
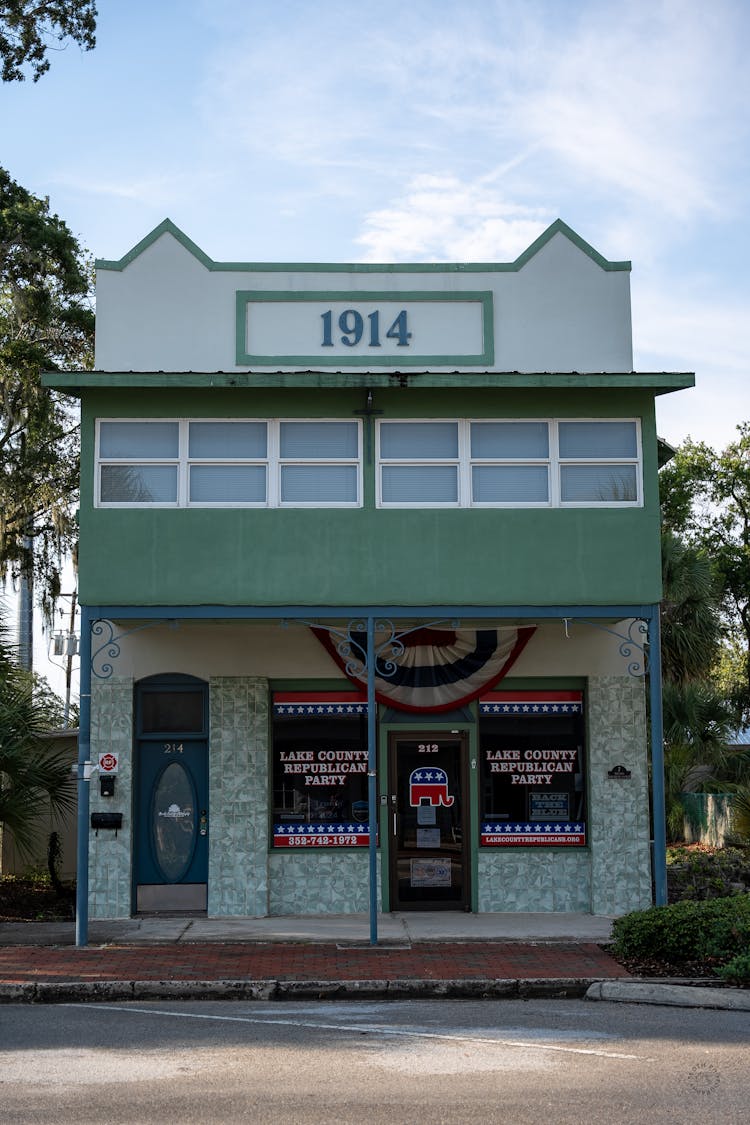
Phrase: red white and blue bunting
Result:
[432,669]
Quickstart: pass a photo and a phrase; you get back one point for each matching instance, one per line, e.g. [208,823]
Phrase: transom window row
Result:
[318,463]
[504,463]
[228,463]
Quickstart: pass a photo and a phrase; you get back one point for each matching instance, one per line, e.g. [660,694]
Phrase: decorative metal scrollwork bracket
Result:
[109,649]
[351,644]
[632,649]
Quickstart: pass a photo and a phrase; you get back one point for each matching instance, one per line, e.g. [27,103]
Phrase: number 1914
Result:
[351,328]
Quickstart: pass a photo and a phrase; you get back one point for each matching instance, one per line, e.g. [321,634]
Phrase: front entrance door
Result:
[428,825]
[171,796]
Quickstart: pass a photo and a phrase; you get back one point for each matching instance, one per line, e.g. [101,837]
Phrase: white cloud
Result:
[695,329]
[440,218]
[152,190]
[638,99]
[618,110]
[692,327]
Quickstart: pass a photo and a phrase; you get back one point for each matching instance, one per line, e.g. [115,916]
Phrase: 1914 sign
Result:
[432,328]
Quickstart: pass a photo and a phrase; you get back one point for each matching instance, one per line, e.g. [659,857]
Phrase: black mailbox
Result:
[106,820]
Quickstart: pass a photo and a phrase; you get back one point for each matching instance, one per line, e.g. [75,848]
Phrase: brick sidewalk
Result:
[212,961]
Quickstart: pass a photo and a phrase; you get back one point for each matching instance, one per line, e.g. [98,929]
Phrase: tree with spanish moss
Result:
[46,324]
[29,29]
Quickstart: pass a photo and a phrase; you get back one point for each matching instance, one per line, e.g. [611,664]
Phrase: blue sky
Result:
[314,130]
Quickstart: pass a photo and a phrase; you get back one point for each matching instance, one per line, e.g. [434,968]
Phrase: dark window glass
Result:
[532,772]
[173,822]
[172,711]
[320,775]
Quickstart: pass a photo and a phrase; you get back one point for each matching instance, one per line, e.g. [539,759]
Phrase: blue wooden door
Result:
[171,797]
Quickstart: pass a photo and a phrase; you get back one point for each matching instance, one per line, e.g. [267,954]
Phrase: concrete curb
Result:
[73,992]
[550,988]
[674,995]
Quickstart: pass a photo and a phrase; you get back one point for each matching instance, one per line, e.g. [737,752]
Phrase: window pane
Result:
[173,836]
[598,483]
[234,484]
[300,440]
[507,484]
[139,484]
[172,711]
[228,439]
[419,440]
[598,439]
[427,484]
[522,737]
[321,743]
[318,484]
[139,439]
[509,439]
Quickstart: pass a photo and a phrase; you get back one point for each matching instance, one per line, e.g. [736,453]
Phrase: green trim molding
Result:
[168,227]
[659,382]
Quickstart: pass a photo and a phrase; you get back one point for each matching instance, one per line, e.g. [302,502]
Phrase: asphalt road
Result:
[415,1062]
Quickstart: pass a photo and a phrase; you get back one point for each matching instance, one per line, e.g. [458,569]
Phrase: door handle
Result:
[203,824]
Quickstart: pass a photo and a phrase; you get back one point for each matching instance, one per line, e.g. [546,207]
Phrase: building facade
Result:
[370,564]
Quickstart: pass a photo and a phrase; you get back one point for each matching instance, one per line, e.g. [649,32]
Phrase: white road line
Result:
[373,1029]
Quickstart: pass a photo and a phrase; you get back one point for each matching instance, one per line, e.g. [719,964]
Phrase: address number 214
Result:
[350,328]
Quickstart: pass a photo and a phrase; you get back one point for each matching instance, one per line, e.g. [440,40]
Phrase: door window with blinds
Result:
[509,463]
[228,463]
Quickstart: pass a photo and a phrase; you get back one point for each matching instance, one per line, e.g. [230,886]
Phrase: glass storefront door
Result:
[427,810]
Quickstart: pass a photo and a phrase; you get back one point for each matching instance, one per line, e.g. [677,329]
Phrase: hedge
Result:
[716,929]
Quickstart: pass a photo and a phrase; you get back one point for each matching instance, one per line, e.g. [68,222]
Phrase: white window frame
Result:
[546,462]
[637,461]
[124,461]
[187,462]
[272,463]
[553,461]
[278,462]
[428,461]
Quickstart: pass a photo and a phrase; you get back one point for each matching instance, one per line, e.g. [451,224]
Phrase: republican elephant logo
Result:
[430,784]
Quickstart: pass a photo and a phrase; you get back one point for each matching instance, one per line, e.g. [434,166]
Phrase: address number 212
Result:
[350,327]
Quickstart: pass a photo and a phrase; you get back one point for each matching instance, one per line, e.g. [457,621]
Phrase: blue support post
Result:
[83,774]
[657,759]
[371,778]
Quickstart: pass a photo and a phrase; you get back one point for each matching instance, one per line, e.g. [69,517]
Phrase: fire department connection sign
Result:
[358,329]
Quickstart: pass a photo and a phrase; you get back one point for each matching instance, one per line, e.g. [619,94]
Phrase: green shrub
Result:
[741,812]
[737,971]
[698,873]
[712,930]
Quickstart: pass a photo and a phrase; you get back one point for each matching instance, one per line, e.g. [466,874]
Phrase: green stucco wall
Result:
[368,556]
